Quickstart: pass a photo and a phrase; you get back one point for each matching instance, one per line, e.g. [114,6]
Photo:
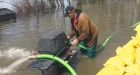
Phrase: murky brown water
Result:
[111,16]
[25,33]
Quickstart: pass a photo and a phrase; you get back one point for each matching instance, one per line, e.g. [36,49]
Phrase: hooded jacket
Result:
[84,29]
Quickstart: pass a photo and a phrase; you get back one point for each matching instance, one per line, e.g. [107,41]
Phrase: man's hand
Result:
[68,37]
[75,42]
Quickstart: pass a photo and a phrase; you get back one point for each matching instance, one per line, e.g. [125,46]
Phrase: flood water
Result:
[111,16]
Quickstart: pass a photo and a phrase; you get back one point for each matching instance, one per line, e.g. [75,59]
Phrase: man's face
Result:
[71,14]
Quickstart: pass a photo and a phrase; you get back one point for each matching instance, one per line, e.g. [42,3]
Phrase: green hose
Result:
[91,52]
[65,64]
[81,46]
[135,25]
[104,45]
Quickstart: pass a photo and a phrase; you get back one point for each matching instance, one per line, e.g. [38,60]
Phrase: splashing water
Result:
[14,53]
[12,68]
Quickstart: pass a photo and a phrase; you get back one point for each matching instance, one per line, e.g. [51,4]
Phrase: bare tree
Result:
[26,6]
[35,4]
[42,4]
[52,3]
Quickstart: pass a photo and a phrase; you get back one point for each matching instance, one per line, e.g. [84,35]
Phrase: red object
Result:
[75,20]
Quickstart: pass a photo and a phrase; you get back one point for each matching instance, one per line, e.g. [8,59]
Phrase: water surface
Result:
[111,16]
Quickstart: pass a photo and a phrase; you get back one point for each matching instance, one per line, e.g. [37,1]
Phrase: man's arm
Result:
[85,29]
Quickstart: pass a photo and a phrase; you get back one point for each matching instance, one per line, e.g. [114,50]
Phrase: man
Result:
[86,32]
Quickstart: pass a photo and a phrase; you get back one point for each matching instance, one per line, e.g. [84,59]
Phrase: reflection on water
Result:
[110,16]
[26,31]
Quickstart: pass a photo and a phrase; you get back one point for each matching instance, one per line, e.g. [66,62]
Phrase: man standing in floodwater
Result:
[85,31]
